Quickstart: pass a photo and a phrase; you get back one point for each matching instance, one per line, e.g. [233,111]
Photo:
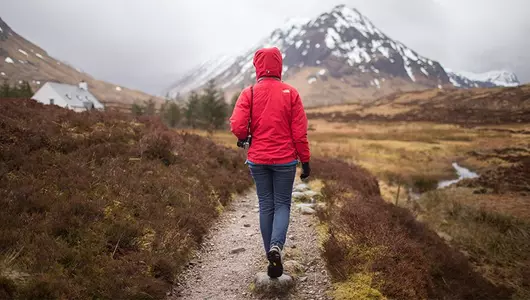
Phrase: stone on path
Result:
[445,236]
[307,210]
[237,250]
[264,284]
[302,187]
[310,205]
[298,195]
[310,194]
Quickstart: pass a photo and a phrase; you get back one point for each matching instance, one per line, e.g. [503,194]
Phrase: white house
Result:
[76,98]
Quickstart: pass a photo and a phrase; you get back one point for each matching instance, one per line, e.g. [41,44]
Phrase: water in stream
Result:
[462,172]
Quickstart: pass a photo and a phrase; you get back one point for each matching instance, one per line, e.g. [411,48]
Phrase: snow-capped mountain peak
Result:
[343,46]
[347,17]
[499,78]
[488,79]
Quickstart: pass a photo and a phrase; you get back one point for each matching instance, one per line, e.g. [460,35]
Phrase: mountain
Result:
[340,56]
[489,79]
[23,60]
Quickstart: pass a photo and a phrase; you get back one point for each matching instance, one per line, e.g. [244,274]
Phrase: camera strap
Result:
[251,104]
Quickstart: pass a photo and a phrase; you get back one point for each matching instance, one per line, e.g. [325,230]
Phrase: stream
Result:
[462,173]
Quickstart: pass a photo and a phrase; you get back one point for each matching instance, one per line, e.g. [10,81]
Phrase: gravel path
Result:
[232,254]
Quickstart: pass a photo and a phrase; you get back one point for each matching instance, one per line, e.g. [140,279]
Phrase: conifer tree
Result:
[214,109]
[171,114]
[192,110]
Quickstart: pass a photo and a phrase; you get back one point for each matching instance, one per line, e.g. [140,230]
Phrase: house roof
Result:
[75,96]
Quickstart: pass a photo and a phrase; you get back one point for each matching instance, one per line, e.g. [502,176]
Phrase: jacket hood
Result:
[268,63]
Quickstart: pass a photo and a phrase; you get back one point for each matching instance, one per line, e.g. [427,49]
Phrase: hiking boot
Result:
[275,268]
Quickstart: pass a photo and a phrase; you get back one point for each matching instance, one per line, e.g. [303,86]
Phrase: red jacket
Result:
[279,122]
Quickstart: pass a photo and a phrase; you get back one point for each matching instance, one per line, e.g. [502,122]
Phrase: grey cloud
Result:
[145,44]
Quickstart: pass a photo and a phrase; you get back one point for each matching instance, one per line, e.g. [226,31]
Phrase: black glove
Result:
[306,171]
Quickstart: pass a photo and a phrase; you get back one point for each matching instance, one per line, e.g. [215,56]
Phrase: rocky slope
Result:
[340,56]
[22,60]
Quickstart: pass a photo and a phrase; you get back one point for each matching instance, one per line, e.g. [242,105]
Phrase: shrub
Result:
[369,238]
[101,206]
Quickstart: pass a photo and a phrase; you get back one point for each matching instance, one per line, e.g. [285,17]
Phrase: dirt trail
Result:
[216,273]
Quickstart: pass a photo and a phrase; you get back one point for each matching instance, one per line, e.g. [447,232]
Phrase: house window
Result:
[52,102]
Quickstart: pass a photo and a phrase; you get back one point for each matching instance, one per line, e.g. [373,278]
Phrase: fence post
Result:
[397,197]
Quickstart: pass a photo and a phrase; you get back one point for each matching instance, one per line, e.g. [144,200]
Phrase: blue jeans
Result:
[274,185]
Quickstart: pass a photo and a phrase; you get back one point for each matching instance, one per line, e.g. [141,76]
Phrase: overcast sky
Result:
[144,43]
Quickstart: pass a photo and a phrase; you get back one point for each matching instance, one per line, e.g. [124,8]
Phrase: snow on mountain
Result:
[490,79]
[501,78]
[200,75]
[351,50]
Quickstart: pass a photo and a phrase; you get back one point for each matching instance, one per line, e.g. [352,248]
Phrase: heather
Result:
[101,205]
[382,251]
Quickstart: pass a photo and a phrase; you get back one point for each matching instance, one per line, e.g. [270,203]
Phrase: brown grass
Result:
[406,151]
[496,242]
[369,238]
[101,206]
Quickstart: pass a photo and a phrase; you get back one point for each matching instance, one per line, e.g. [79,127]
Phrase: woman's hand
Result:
[306,171]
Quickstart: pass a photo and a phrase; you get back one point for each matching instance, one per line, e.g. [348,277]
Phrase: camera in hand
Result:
[245,144]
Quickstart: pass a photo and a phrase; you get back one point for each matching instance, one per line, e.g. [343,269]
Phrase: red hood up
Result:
[268,63]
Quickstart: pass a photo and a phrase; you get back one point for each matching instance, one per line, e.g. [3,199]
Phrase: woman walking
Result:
[272,114]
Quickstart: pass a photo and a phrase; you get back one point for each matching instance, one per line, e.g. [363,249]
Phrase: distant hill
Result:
[22,60]
[460,106]
[338,57]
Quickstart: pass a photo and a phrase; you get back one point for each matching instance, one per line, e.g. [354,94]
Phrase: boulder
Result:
[263,284]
